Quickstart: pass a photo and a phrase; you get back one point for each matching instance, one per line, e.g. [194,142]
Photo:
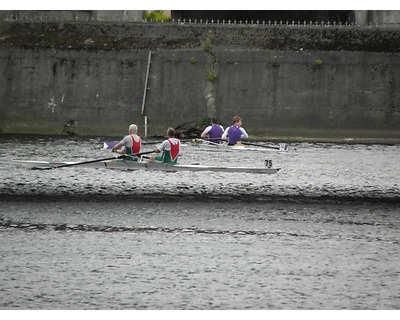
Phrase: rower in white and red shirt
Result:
[131,142]
[169,148]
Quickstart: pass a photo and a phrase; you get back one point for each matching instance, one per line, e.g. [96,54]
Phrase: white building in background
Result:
[380,17]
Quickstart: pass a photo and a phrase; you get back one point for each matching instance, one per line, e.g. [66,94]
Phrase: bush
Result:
[156,15]
[212,76]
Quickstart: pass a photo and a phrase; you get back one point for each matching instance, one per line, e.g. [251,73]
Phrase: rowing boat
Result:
[205,145]
[221,147]
[142,164]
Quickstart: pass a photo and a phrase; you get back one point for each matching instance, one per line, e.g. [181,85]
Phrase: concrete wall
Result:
[41,90]
[281,93]
[72,15]
[318,94]
[284,93]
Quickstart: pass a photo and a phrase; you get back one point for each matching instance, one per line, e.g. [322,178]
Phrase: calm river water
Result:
[322,233]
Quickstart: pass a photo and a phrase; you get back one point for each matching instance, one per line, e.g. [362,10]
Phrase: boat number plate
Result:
[268,163]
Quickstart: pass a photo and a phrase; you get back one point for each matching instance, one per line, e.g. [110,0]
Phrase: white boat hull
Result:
[213,147]
[145,165]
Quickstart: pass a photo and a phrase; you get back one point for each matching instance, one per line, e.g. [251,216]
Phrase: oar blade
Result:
[41,168]
[283,147]
[109,144]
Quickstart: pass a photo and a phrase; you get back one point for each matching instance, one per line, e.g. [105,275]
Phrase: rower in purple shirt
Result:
[214,131]
[235,132]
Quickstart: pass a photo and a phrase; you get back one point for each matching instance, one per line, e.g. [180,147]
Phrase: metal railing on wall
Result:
[274,23]
[304,23]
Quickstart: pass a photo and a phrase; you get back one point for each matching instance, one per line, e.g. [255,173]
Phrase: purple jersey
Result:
[234,134]
[215,133]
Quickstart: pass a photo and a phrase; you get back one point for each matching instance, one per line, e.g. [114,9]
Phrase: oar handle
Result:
[111,144]
[140,153]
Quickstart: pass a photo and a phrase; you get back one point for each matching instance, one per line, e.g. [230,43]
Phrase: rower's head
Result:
[214,120]
[133,129]
[237,121]
[171,133]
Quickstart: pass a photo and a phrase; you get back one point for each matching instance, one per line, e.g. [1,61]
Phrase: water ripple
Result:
[309,172]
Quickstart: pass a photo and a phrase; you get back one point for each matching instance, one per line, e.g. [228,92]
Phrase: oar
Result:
[91,161]
[151,142]
[283,147]
[111,144]
[198,140]
[140,154]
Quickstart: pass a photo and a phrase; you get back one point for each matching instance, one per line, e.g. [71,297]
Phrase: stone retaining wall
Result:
[312,82]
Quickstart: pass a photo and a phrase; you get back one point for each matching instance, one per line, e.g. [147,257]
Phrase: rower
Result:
[170,149]
[235,132]
[131,143]
[214,131]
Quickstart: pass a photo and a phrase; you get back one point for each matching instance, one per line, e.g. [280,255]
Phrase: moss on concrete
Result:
[133,36]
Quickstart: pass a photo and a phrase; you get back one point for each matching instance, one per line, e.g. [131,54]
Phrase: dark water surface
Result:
[323,233]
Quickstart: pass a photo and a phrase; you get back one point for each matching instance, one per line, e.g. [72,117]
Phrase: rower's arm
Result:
[244,134]
[225,133]
[205,131]
[116,147]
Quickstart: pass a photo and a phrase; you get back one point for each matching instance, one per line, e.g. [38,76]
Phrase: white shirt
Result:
[165,146]
[243,136]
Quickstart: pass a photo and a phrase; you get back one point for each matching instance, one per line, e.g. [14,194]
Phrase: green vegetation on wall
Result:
[211,76]
[156,15]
